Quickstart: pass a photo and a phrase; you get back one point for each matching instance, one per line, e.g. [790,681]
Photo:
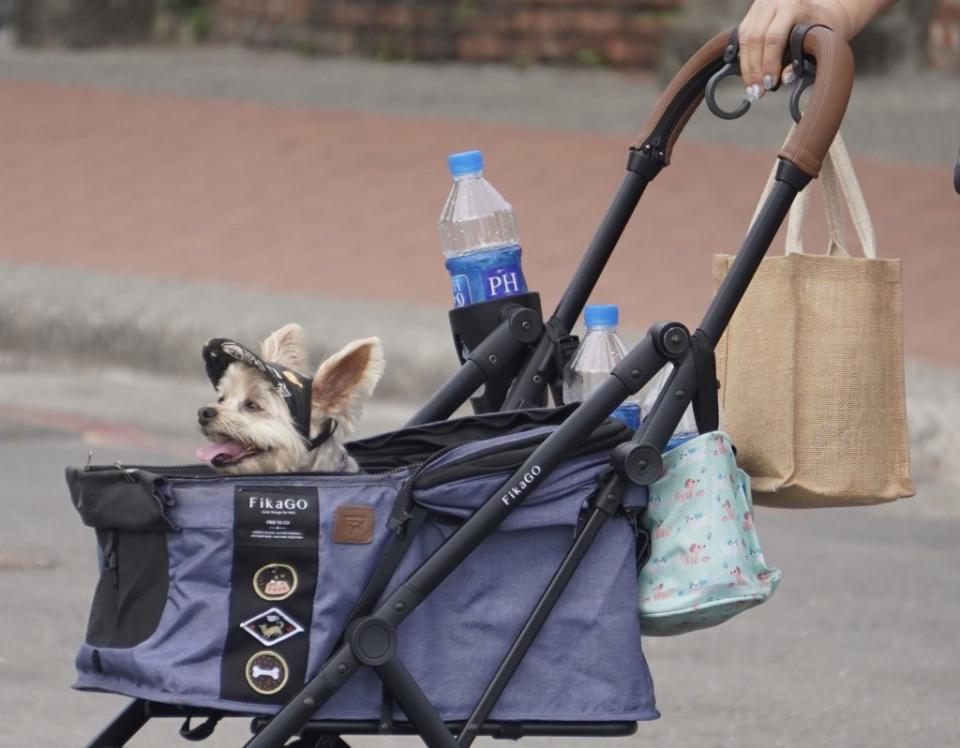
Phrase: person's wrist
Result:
[837,15]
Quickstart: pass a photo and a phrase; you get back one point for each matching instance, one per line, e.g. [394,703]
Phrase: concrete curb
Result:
[158,325]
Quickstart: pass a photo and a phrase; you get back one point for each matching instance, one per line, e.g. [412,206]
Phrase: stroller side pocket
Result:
[131,529]
[705,563]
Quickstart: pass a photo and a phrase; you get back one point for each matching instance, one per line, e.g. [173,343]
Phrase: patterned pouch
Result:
[705,562]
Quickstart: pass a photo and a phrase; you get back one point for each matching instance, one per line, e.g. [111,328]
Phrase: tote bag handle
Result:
[840,187]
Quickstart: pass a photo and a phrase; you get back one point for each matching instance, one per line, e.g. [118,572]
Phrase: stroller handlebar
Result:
[812,137]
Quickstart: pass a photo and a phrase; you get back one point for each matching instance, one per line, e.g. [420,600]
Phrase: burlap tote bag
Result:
[811,366]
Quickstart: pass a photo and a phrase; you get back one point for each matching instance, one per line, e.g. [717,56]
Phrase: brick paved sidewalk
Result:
[345,204]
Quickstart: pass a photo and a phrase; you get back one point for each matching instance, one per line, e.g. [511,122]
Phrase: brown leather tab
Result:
[353,524]
[831,92]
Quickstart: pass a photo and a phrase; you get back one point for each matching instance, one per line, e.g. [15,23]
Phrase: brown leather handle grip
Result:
[812,137]
[680,99]
[810,140]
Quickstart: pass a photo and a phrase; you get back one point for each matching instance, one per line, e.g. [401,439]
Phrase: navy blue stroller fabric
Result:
[184,645]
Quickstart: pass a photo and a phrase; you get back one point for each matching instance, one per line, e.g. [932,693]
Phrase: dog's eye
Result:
[220,399]
[251,405]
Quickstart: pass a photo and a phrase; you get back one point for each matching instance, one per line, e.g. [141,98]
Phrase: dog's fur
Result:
[251,412]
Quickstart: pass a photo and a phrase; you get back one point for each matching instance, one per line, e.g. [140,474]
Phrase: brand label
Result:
[485,275]
[276,515]
[503,281]
[276,532]
[515,492]
[354,524]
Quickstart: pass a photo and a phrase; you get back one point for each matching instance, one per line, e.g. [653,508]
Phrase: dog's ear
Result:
[286,347]
[345,380]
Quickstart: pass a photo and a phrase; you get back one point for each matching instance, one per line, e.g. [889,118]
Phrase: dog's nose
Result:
[206,414]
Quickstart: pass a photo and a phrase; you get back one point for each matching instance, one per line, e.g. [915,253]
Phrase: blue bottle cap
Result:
[468,162]
[601,315]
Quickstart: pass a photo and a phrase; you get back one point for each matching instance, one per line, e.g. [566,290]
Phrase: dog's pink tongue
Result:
[231,450]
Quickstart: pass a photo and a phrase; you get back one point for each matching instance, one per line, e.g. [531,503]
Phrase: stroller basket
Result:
[228,592]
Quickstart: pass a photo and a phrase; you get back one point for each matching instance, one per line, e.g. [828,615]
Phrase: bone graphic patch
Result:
[275,581]
[266,672]
[271,627]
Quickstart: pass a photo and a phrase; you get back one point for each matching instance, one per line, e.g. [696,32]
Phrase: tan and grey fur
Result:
[251,411]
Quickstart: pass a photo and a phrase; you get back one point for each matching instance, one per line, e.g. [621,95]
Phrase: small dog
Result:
[270,418]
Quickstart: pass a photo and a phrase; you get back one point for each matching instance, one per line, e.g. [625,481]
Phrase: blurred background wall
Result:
[615,33]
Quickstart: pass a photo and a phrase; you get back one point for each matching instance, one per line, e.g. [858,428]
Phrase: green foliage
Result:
[196,16]
[385,52]
[200,22]
[591,58]
[306,47]
[464,12]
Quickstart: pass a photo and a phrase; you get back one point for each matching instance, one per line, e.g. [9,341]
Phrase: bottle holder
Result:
[471,325]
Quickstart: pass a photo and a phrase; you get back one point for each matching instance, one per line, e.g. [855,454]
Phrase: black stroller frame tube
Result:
[789,181]
[655,432]
[519,327]
[538,371]
[531,627]
[415,704]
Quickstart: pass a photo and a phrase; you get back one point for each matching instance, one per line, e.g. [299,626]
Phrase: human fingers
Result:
[750,35]
[774,42]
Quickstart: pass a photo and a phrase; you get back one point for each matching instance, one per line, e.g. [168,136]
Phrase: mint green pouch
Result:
[705,563]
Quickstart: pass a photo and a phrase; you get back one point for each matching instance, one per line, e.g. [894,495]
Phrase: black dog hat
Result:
[294,387]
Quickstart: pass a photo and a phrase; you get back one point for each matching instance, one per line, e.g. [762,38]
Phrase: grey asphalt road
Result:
[857,648]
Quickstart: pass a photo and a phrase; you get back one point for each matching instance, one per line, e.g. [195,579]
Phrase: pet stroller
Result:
[506,543]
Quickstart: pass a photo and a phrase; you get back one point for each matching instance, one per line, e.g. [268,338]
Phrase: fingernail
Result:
[789,76]
[768,82]
[753,93]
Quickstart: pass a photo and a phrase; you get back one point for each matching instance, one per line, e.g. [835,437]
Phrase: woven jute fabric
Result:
[812,379]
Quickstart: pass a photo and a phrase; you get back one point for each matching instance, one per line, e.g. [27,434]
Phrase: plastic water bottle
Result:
[478,233]
[687,428]
[600,350]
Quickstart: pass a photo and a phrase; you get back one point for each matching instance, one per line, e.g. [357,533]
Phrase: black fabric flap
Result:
[510,456]
[419,443]
[114,499]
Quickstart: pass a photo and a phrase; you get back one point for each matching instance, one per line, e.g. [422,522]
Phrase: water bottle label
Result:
[461,291]
[629,414]
[482,276]
[506,280]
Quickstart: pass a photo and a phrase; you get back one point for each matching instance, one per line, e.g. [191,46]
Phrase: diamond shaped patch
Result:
[271,626]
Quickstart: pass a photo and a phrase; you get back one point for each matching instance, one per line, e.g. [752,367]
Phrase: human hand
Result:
[765,29]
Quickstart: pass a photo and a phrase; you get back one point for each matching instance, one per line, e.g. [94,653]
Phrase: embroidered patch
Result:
[271,627]
[266,672]
[354,524]
[275,581]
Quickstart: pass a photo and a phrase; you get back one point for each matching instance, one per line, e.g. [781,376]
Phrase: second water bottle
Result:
[600,351]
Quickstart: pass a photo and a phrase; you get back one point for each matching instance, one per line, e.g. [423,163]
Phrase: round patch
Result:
[266,672]
[275,581]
